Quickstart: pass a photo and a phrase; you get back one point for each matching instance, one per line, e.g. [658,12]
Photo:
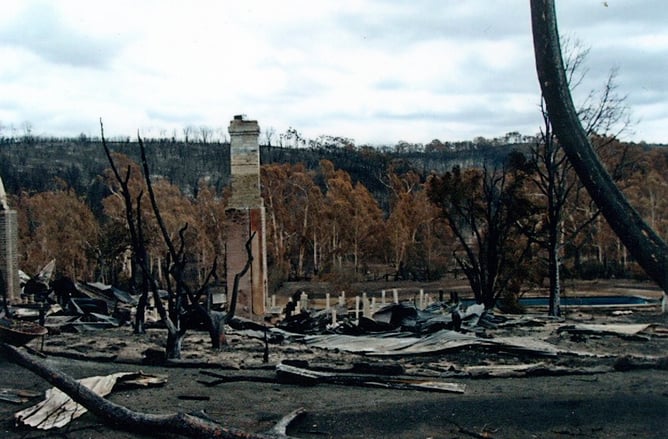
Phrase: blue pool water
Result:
[590,301]
[583,301]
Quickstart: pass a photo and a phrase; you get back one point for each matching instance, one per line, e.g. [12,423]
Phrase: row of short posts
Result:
[364,305]
[368,306]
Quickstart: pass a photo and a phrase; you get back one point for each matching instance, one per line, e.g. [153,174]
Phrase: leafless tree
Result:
[644,244]
[603,112]
[269,134]
[187,132]
[205,133]
[183,299]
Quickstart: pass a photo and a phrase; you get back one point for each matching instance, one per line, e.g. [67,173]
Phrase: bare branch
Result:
[237,277]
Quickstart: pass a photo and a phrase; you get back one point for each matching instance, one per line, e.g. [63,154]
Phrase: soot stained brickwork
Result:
[9,236]
[246,216]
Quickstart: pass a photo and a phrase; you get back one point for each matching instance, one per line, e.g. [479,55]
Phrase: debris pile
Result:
[401,316]
[65,305]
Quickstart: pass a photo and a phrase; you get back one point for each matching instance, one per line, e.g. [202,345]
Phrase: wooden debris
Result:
[221,379]
[621,330]
[301,374]
[193,398]
[536,369]
[280,429]
[628,362]
[17,396]
[658,331]
[296,375]
[99,357]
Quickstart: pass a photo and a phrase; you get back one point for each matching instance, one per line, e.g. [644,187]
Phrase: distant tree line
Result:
[33,163]
[336,213]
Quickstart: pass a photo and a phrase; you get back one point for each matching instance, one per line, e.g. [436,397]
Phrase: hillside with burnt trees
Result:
[336,212]
[38,164]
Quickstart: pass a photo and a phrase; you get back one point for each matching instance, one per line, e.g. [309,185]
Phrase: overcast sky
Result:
[375,71]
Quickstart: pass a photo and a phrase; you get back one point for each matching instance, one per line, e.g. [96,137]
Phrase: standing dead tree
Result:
[213,320]
[487,211]
[134,223]
[182,299]
[644,244]
[554,175]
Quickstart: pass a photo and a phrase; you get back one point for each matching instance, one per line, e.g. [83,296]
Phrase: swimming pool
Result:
[591,301]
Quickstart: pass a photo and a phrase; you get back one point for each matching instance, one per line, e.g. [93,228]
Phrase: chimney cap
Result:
[240,117]
[3,197]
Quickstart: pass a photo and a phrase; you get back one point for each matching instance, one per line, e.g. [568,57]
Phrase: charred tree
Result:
[601,112]
[182,294]
[182,299]
[133,222]
[643,243]
[487,211]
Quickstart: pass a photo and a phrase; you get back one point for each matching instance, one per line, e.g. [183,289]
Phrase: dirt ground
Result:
[593,395]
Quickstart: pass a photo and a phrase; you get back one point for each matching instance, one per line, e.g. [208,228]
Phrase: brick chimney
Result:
[9,255]
[245,215]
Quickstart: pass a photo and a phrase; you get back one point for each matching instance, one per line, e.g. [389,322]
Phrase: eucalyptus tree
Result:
[488,211]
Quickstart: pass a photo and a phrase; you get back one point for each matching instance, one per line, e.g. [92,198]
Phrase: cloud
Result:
[374,70]
[40,29]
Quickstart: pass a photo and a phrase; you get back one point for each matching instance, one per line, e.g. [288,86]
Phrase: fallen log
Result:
[123,418]
[222,379]
[535,369]
[288,374]
[629,362]
[629,331]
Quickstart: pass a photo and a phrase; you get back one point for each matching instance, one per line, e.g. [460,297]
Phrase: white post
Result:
[303,302]
[382,297]
[396,295]
[273,300]
[421,298]
[357,307]
[326,300]
[333,316]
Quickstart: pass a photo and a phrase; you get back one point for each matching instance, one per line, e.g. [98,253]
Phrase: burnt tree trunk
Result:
[646,246]
[174,344]
[140,315]
[553,268]
[237,278]
[216,327]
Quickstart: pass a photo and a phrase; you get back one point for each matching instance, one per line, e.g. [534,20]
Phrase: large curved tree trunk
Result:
[645,245]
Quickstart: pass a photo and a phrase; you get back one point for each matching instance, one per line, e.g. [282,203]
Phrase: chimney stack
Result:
[245,215]
[9,255]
